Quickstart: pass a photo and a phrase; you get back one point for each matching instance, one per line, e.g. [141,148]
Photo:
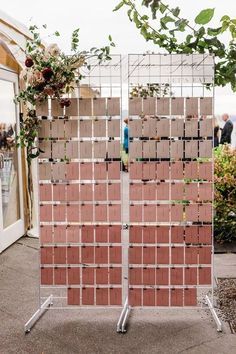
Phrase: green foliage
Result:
[225,194]
[151,90]
[199,37]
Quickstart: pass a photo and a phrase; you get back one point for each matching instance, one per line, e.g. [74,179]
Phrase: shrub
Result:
[225,194]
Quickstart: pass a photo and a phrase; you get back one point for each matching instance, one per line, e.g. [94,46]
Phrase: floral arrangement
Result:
[151,90]
[50,73]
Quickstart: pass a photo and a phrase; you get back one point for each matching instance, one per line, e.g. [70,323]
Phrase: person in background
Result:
[126,141]
[216,135]
[227,130]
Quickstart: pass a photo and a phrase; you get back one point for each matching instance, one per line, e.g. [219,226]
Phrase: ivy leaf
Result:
[110,38]
[57,34]
[214,31]
[176,11]
[204,16]
[119,6]
[166,19]
[162,8]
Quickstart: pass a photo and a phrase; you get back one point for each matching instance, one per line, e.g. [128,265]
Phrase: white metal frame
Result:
[14,231]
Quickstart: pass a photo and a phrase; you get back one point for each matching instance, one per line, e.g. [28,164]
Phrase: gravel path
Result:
[226,294]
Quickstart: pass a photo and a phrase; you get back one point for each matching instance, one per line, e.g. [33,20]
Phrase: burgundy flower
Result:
[60,85]
[47,74]
[29,62]
[65,102]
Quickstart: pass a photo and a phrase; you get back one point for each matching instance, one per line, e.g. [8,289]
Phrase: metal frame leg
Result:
[214,314]
[121,324]
[47,303]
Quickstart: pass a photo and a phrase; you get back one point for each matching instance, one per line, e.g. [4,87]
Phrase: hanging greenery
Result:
[165,27]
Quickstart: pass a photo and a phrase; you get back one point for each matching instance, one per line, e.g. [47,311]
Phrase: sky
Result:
[96,21]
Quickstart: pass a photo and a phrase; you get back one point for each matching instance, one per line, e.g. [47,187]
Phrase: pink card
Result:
[72,192]
[60,255]
[191,128]
[85,149]
[45,234]
[135,255]
[113,106]
[149,105]
[99,149]
[87,234]
[177,255]
[190,297]
[86,171]
[99,128]
[59,212]
[73,296]
[135,149]
[86,212]
[177,191]
[190,276]
[162,255]
[59,192]
[135,213]
[149,170]
[191,212]
[135,170]
[114,128]
[45,146]
[102,296]
[176,149]
[205,277]
[177,234]
[177,170]
[86,192]
[113,170]
[149,234]
[149,149]
[56,109]
[42,108]
[99,106]
[191,255]
[46,255]
[191,106]
[73,109]
[46,276]
[162,297]
[45,171]
[191,191]
[101,254]
[149,127]
[162,276]
[205,234]
[206,106]
[46,212]
[58,149]
[87,254]
[205,170]
[100,191]
[191,234]
[177,106]
[102,275]
[72,170]
[115,233]
[88,276]
[115,254]
[162,234]
[101,232]
[59,171]
[100,212]
[45,129]
[71,128]
[59,276]
[176,276]
[149,254]
[73,213]
[88,296]
[205,212]
[191,170]
[206,127]
[85,107]
[149,213]
[135,128]
[113,148]
[191,149]
[85,128]
[115,296]
[135,234]
[135,276]
[45,192]
[176,297]
[135,297]
[205,148]
[72,149]
[205,255]
[163,127]
[73,233]
[135,106]
[163,149]
[100,171]
[135,191]
[59,234]
[177,127]
[163,212]
[115,275]
[205,191]
[149,276]
[114,191]
[162,170]
[57,130]
[163,106]
[114,212]
[73,275]
[149,191]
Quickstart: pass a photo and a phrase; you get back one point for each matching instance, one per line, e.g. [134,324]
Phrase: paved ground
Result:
[93,331]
